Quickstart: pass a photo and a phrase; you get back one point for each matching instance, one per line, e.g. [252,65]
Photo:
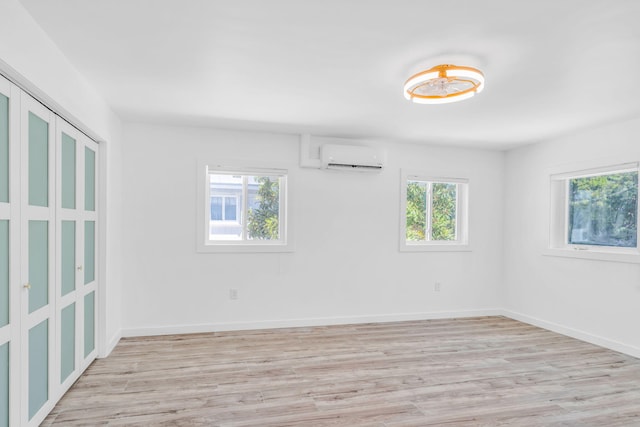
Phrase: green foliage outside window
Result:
[416,211]
[603,210]
[442,211]
[443,215]
[262,221]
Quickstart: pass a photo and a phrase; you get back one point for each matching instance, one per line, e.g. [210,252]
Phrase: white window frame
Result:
[461,243]
[205,245]
[559,218]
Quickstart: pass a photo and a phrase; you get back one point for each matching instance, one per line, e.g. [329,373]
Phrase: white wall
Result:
[111,244]
[593,300]
[31,59]
[346,266]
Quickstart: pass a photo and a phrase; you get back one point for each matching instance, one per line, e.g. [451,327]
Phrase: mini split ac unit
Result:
[352,158]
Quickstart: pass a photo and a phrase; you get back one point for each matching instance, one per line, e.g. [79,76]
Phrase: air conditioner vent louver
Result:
[347,167]
[352,158]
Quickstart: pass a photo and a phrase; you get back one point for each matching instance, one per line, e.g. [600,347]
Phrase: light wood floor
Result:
[465,372]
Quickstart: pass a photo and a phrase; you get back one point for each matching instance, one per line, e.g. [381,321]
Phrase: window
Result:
[245,210]
[433,213]
[596,211]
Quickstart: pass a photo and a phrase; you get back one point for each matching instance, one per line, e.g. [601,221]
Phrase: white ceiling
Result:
[336,67]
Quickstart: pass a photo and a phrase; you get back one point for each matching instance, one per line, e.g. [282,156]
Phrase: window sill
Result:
[632,257]
[435,247]
[230,247]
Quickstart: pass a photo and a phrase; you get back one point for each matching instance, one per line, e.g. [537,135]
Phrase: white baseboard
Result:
[574,333]
[303,322]
[111,345]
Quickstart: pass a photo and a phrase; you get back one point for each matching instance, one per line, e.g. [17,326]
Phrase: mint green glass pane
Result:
[4,148]
[38,367]
[38,161]
[68,342]
[4,385]
[38,264]
[89,251]
[89,323]
[89,179]
[4,272]
[68,172]
[68,257]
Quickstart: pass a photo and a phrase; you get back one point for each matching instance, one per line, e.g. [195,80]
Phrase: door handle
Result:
[79,268]
[27,286]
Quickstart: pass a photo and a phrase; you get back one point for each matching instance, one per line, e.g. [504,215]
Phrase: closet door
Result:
[48,256]
[9,250]
[75,255]
[89,244]
[38,321]
[68,254]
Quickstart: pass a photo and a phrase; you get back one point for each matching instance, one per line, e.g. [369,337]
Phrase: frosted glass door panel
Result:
[4,273]
[38,161]
[89,179]
[68,341]
[89,251]
[68,172]
[68,257]
[38,264]
[38,367]
[89,323]
[4,148]
[4,385]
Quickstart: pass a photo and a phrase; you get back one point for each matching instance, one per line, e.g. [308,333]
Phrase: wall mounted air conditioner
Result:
[352,158]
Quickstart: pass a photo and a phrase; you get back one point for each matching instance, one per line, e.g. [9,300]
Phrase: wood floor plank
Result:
[483,371]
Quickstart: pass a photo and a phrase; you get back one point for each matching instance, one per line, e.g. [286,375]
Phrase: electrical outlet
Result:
[436,286]
[233,294]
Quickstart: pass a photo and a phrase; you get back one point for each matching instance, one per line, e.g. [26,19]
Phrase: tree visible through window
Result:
[416,211]
[603,210]
[263,218]
[431,211]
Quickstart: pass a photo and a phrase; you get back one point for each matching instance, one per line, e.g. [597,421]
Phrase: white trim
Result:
[113,342]
[23,84]
[631,257]
[435,247]
[596,171]
[5,334]
[304,322]
[575,333]
[246,170]
[416,176]
[15,242]
[101,248]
